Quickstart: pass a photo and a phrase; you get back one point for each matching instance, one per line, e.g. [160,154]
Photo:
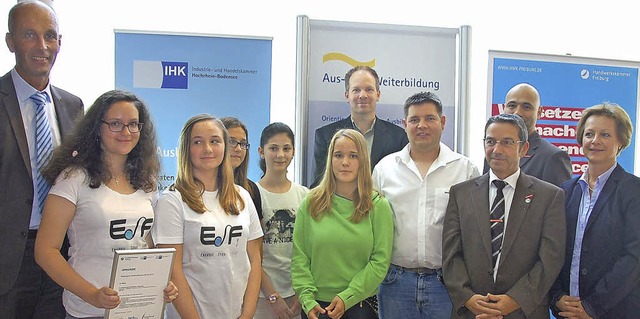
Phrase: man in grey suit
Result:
[25,289]
[503,264]
[543,159]
[362,92]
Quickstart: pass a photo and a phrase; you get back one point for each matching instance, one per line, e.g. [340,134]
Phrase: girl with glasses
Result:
[239,158]
[101,177]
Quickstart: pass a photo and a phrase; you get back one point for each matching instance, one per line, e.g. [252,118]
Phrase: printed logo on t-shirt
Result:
[208,235]
[118,228]
[279,229]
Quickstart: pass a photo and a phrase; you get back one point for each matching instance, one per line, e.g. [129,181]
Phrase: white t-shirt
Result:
[105,221]
[214,250]
[279,216]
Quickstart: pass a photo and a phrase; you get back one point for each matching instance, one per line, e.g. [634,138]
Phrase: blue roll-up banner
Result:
[181,75]
[567,85]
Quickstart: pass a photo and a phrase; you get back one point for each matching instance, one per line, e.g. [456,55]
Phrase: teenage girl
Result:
[280,201]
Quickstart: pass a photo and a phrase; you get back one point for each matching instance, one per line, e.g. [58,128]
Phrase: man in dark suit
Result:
[25,289]
[543,159]
[362,92]
[503,264]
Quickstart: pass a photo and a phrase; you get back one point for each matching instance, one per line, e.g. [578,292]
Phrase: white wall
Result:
[583,28]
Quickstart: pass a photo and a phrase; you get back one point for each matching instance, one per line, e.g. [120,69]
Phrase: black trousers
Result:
[361,310]
[34,295]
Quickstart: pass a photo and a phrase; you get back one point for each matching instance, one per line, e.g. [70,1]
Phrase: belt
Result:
[420,270]
[32,234]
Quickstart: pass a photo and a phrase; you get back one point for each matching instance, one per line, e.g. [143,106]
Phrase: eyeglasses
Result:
[490,142]
[115,126]
[243,145]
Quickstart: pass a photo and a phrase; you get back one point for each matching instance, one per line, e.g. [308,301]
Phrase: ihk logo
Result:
[160,74]
[175,75]
[174,70]
[208,235]
[118,230]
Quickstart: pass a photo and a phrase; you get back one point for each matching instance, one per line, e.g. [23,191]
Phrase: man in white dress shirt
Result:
[416,181]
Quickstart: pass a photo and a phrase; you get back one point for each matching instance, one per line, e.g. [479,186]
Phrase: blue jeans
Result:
[409,295]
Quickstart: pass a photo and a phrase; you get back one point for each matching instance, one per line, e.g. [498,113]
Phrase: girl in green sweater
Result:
[343,236]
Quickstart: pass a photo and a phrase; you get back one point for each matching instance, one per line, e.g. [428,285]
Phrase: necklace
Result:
[115,179]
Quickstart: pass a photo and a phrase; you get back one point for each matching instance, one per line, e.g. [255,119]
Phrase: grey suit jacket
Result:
[532,252]
[387,138]
[544,161]
[16,193]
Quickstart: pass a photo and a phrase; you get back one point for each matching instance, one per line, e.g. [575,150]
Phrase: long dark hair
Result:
[83,147]
[270,131]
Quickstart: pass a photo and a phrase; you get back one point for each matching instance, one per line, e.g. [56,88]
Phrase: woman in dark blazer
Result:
[601,273]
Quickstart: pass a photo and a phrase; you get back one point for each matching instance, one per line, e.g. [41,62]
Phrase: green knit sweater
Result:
[337,257]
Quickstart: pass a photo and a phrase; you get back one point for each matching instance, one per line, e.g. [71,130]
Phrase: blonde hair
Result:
[191,188]
[624,128]
[320,196]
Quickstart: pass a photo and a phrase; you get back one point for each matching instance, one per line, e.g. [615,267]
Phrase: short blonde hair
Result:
[624,129]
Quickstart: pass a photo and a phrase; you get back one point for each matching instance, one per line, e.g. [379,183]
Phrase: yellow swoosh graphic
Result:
[347,59]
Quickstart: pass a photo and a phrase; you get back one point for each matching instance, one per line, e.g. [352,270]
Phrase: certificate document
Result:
[139,276]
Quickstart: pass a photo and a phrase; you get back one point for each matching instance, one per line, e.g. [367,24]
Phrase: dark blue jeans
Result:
[360,310]
[409,295]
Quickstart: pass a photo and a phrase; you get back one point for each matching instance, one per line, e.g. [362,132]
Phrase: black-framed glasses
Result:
[243,145]
[117,127]
[490,142]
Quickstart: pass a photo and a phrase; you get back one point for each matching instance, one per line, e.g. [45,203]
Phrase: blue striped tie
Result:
[497,221]
[44,146]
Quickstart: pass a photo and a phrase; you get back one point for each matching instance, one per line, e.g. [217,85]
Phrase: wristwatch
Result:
[273,298]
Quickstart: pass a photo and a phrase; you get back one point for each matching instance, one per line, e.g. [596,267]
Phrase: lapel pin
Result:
[528,198]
